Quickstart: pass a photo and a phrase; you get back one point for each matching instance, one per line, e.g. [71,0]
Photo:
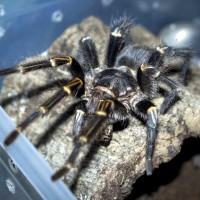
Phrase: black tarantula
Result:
[123,87]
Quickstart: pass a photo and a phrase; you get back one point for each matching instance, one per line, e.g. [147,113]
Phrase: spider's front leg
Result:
[53,62]
[88,59]
[79,117]
[88,133]
[154,72]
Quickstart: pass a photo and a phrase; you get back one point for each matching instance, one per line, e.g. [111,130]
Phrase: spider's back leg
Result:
[172,96]
[184,54]
[151,74]
[119,34]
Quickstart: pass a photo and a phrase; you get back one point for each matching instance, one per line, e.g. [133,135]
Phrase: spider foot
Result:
[149,167]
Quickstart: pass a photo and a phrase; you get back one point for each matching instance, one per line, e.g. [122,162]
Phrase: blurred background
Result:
[29,27]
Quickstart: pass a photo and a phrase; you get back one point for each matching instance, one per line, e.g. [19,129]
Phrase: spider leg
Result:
[151,112]
[80,116]
[88,59]
[185,54]
[184,72]
[52,62]
[87,135]
[78,119]
[70,88]
[141,115]
[32,92]
[152,123]
[149,76]
[61,119]
[148,79]
[88,54]
[119,33]
[172,96]
[156,58]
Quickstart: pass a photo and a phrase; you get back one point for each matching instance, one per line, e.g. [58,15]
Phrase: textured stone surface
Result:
[108,172]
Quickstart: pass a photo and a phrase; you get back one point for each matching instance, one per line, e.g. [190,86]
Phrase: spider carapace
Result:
[121,87]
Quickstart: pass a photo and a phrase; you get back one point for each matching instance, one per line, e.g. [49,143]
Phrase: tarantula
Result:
[120,88]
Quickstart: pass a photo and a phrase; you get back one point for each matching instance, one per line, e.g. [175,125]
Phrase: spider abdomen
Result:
[117,82]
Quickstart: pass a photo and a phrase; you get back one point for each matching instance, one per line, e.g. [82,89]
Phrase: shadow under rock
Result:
[166,173]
